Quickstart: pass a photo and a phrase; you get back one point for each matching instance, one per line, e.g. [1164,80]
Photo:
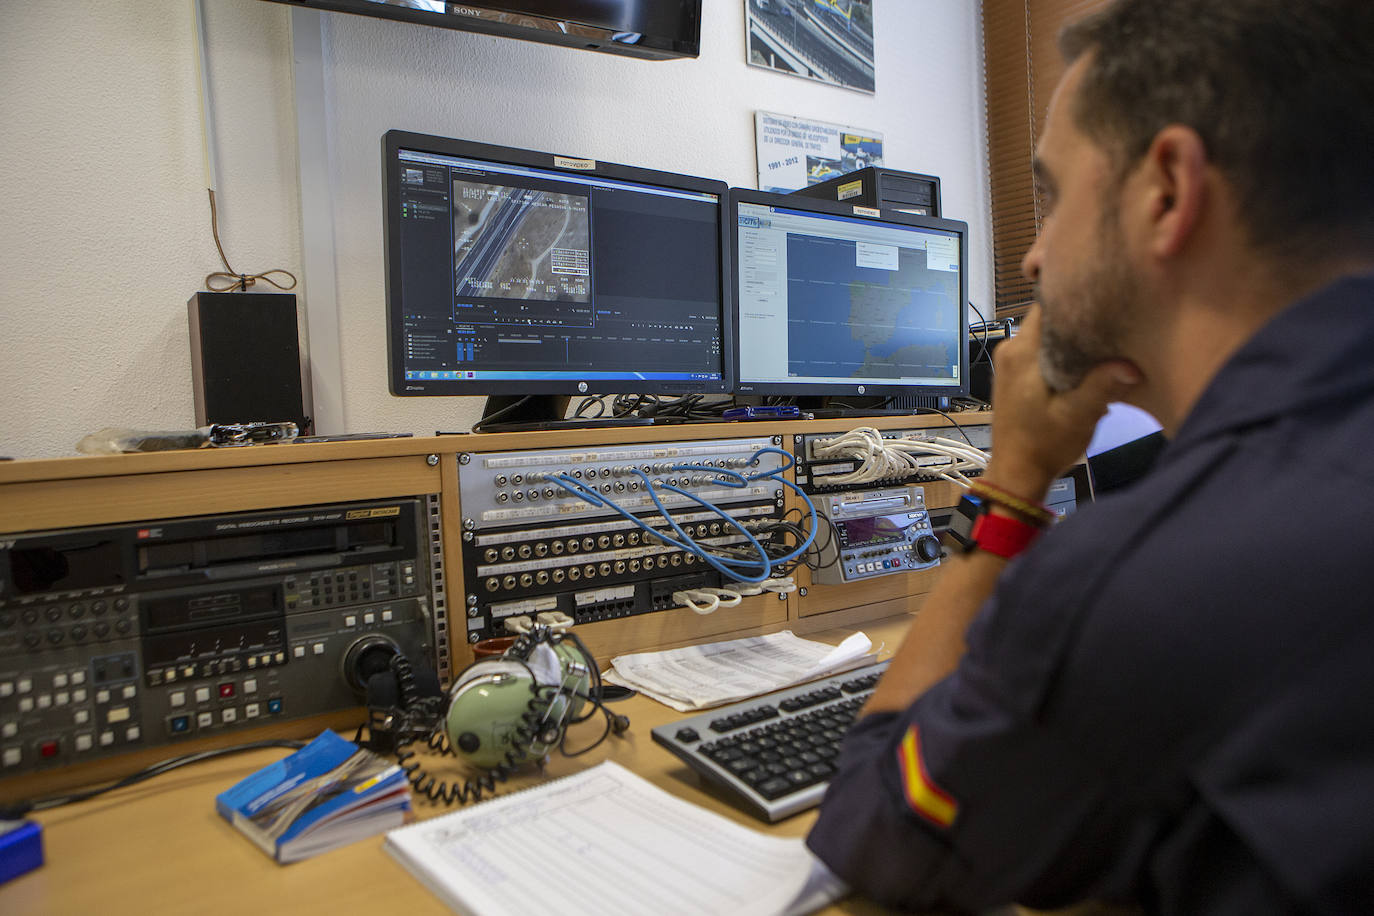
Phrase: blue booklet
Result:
[325,795]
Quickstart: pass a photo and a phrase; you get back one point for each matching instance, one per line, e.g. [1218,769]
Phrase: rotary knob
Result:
[927,548]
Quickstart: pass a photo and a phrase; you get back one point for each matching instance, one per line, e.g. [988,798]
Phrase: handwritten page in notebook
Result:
[698,677]
[606,842]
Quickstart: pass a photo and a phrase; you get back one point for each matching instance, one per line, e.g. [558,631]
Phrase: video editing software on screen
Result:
[511,272]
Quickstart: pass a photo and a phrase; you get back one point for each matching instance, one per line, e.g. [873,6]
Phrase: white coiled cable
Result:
[708,600]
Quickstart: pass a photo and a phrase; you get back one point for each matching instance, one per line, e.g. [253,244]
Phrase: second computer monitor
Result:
[832,300]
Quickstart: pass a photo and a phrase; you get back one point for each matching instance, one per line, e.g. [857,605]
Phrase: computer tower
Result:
[886,189]
[246,359]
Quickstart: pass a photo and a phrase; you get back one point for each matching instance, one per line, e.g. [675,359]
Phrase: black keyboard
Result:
[774,755]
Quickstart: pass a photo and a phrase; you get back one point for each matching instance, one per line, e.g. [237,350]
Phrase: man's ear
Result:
[1173,177]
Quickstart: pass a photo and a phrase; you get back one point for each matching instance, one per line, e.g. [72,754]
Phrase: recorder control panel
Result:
[127,636]
[875,533]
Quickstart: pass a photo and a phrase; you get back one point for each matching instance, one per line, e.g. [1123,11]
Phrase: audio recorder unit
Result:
[876,533]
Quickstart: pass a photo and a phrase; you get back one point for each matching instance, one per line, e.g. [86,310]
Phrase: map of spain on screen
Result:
[864,310]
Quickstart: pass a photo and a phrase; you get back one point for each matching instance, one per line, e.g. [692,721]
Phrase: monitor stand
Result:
[512,413]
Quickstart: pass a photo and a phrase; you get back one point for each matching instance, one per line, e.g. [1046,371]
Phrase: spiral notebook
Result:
[606,842]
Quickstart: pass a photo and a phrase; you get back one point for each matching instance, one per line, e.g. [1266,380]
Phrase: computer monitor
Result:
[847,303]
[514,273]
[1124,445]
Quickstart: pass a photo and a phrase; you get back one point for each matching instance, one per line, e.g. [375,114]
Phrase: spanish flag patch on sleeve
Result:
[922,794]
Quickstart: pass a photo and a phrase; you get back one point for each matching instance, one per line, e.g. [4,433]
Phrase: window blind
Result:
[1021,65]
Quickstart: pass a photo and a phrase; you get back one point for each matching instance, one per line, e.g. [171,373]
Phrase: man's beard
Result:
[1085,325]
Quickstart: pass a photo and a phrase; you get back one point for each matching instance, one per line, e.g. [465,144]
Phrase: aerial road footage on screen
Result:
[520,243]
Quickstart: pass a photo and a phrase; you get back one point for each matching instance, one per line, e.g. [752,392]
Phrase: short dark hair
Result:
[1281,92]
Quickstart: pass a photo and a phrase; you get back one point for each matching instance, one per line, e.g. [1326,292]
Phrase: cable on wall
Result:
[227,279]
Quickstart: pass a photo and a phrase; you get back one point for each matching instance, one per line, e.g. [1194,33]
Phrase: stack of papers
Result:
[327,794]
[606,842]
[699,677]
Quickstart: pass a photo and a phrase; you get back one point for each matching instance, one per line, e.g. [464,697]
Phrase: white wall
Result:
[104,223]
[104,229]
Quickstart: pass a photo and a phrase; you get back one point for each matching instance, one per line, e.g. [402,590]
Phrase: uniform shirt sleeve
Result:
[966,799]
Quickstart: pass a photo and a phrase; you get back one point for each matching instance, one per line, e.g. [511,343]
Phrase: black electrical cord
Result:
[798,535]
[775,547]
[715,410]
[698,407]
[627,405]
[816,549]
[491,418]
[686,407]
[811,558]
[615,722]
[683,407]
[16,810]
[830,531]
[952,422]
[586,404]
[983,341]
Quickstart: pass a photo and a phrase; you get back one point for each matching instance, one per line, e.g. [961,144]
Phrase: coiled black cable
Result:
[441,791]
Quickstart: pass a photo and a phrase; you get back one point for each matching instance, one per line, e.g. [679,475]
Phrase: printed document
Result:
[698,677]
[606,842]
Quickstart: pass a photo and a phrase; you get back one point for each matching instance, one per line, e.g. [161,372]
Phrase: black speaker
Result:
[246,359]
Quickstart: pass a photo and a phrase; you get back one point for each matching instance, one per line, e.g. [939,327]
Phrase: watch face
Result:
[962,520]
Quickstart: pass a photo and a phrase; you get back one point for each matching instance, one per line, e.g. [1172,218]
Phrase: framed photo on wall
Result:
[794,153]
[830,41]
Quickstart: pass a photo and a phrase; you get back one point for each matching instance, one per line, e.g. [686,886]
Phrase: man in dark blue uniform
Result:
[1169,698]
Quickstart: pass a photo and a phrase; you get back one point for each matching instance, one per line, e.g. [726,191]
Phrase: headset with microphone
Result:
[500,713]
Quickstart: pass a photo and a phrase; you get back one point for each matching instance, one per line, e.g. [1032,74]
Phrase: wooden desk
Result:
[159,847]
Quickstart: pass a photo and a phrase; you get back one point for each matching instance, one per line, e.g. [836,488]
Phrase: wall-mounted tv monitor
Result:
[653,29]
[511,272]
[845,303]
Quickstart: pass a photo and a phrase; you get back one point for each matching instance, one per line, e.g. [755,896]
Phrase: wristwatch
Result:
[959,533]
[973,527]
